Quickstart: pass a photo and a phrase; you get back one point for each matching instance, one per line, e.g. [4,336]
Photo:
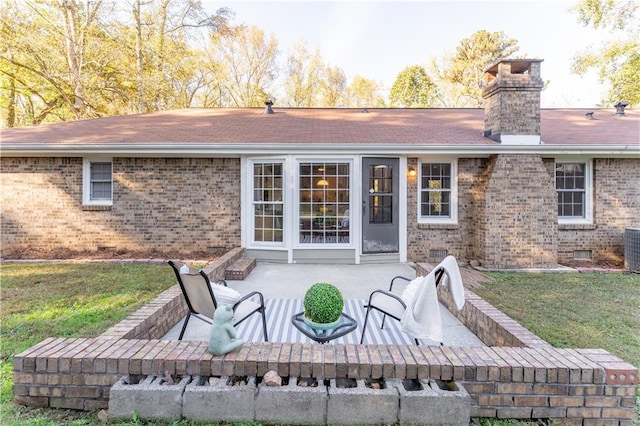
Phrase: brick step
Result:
[240,269]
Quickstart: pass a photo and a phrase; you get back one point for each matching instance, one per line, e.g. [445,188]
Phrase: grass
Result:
[573,310]
[66,300]
[83,300]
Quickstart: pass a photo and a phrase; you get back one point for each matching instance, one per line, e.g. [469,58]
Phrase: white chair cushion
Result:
[387,304]
[409,292]
[246,308]
[225,295]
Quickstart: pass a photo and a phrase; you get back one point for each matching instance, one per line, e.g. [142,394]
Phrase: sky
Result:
[378,39]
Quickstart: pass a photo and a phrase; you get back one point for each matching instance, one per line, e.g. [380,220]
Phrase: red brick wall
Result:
[517,218]
[184,205]
[507,211]
[454,238]
[159,204]
[616,207]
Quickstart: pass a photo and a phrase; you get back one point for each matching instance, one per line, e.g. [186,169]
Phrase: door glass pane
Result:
[381,194]
[380,209]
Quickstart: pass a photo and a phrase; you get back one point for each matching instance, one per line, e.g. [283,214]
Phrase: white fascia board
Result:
[161,150]
[520,139]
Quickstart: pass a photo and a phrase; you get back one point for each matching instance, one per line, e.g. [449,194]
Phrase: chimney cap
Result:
[518,66]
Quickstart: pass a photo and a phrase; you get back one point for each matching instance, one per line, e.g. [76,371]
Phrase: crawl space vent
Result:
[437,254]
[582,255]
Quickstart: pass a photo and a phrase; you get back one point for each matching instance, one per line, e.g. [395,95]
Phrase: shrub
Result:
[323,303]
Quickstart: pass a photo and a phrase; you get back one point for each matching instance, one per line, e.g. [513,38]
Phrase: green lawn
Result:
[573,310]
[83,300]
[66,300]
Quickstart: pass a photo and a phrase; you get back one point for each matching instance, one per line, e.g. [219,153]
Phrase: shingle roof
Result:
[324,126]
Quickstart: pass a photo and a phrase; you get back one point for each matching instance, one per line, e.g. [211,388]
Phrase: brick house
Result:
[510,186]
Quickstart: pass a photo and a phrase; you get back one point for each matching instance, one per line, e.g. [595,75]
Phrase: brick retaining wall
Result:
[516,376]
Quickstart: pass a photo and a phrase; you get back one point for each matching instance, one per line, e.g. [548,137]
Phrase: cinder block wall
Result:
[158,204]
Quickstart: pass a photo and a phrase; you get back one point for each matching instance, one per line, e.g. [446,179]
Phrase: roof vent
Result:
[589,115]
[365,111]
[268,109]
[620,107]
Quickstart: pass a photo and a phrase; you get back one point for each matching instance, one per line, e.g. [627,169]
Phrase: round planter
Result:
[320,325]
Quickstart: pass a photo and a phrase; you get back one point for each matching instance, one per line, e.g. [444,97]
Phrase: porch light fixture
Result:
[412,172]
[322,182]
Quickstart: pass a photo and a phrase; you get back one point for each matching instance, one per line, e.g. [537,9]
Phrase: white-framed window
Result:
[574,188]
[268,202]
[97,181]
[437,192]
[324,196]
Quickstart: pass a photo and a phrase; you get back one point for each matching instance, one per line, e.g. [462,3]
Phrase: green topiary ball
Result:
[323,303]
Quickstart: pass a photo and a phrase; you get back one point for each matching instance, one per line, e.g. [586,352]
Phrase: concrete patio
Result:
[280,283]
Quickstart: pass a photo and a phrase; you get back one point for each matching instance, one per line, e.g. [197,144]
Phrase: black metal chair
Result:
[199,294]
[391,304]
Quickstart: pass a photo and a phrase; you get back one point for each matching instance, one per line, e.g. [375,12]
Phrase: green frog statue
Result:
[222,335]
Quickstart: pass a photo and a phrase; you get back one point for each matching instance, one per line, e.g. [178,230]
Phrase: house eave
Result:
[195,150]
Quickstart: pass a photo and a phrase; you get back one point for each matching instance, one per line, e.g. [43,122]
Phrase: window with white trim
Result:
[97,182]
[268,202]
[437,192]
[324,195]
[573,187]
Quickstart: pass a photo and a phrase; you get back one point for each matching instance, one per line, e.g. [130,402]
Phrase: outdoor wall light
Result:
[412,172]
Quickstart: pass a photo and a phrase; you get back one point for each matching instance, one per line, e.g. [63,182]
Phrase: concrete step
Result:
[240,269]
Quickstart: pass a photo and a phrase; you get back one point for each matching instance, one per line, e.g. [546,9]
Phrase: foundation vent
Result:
[437,254]
[632,249]
[582,255]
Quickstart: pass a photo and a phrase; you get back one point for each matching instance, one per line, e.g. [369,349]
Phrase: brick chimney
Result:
[512,102]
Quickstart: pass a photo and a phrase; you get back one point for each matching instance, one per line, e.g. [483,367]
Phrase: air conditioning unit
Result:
[632,249]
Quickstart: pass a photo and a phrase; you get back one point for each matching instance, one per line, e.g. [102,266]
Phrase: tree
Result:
[473,56]
[77,25]
[243,60]
[305,74]
[363,93]
[163,57]
[618,60]
[44,59]
[333,87]
[413,89]
[615,14]
[70,59]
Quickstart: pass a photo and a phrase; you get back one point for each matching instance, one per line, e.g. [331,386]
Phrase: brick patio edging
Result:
[516,376]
